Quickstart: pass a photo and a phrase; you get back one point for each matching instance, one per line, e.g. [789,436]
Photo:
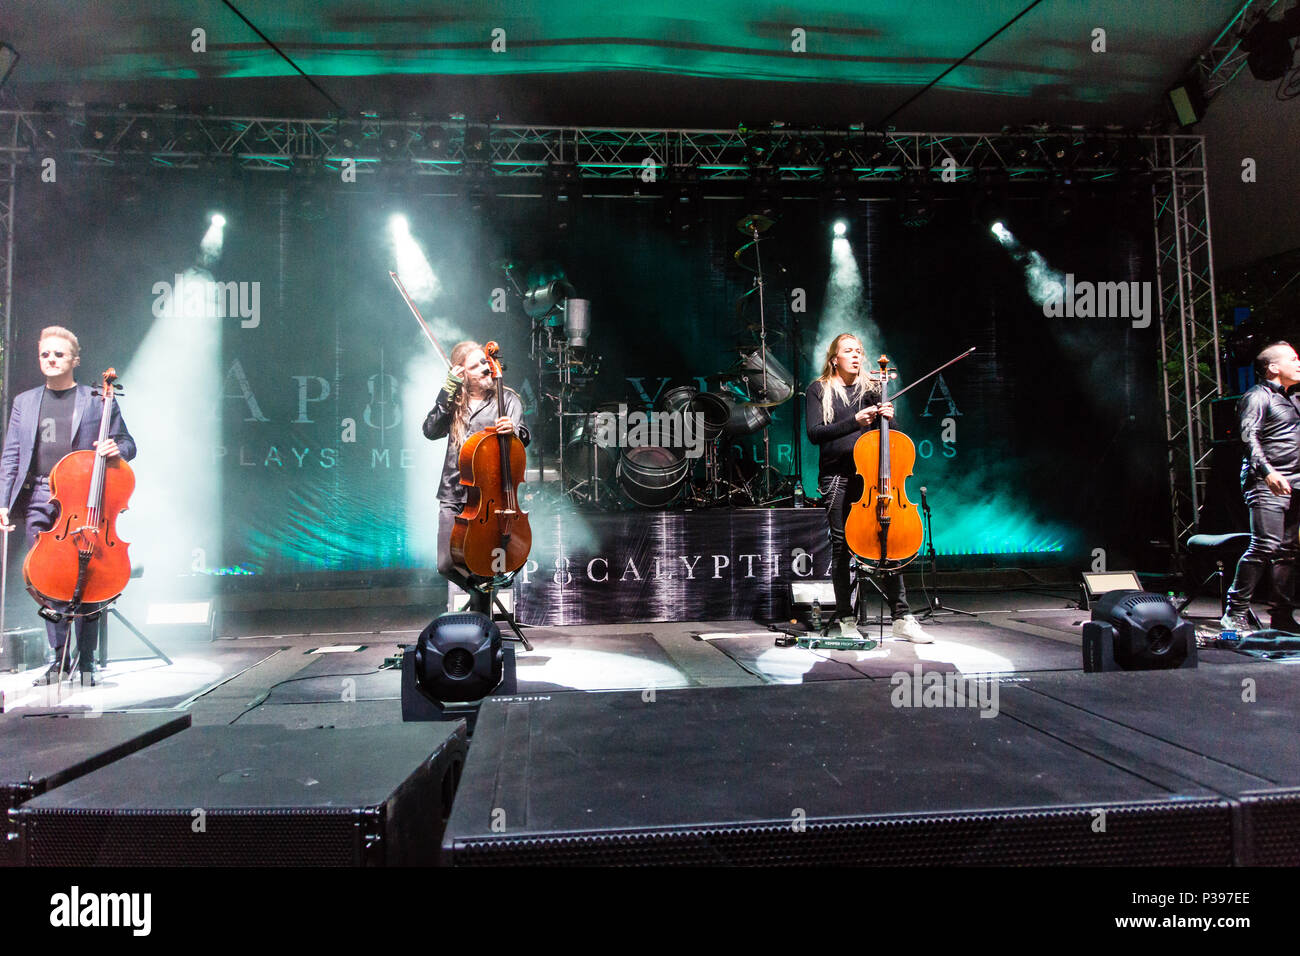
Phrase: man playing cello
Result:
[466,404]
[47,423]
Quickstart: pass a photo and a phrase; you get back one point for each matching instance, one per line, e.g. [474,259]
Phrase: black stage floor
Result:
[743,730]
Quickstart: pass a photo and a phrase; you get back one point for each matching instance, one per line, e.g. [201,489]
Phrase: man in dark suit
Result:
[48,422]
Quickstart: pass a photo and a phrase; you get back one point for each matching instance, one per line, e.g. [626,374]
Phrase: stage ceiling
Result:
[673,62]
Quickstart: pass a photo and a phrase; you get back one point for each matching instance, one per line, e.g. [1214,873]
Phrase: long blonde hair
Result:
[460,408]
[831,384]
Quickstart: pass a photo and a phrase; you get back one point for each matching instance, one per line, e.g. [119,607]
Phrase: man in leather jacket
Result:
[1270,431]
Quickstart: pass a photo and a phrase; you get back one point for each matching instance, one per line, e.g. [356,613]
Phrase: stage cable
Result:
[987,40]
[271,43]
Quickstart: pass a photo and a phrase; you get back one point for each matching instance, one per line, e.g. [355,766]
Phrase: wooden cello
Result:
[491,535]
[81,560]
[883,528]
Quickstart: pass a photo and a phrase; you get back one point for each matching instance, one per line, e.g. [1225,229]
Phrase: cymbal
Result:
[754,222]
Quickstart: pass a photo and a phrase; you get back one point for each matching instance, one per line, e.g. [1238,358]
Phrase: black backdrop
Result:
[1058,445]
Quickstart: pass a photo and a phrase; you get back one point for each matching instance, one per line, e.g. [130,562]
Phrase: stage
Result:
[713,707]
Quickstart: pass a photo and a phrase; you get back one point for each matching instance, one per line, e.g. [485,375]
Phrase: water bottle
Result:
[816,615]
[798,495]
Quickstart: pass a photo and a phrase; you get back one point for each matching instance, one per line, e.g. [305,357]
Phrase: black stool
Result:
[1220,548]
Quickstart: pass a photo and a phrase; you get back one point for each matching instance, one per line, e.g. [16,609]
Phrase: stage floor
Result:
[328,669]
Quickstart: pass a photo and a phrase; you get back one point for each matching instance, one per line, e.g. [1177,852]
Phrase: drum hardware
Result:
[754,225]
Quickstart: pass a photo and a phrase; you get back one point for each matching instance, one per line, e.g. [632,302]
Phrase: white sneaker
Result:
[849,628]
[910,629]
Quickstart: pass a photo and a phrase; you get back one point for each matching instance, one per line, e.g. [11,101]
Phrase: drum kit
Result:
[734,404]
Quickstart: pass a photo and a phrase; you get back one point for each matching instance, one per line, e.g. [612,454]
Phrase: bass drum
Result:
[716,409]
[651,476]
[586,442]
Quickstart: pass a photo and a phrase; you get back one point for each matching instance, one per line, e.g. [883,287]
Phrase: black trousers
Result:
[1274,547]
[447,513]
[838,494]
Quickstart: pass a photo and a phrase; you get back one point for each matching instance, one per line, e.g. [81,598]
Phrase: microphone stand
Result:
[934,606]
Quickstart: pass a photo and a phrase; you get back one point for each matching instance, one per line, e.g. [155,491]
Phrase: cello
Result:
[883,528]
[491,536]
[81,560]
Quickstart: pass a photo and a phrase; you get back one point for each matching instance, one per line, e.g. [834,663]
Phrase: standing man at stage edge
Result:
[47,423]
[1270,480]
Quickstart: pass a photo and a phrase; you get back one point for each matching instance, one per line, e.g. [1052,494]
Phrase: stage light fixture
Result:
[433,138]
[8,60]
[458,658]
[350,139]
[392,141]
[840,227]
[218,220]
[477,147]
[1136,631]
[1269,53]
[143,135]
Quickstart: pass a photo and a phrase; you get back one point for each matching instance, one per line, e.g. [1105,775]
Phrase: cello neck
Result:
[493,352]
[882,423]
[95,495]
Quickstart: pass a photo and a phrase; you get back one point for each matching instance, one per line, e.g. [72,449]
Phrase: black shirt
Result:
[1270,430]
[54,429]
[835,440]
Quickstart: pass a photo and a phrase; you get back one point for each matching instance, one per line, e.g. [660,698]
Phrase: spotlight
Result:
[458,657]
[350,139]
[218,220]
[434,140]
[1137,631]
[840,227]
[398,224]
[477,143]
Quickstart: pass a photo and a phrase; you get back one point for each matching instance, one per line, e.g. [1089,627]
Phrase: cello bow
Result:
[428,333]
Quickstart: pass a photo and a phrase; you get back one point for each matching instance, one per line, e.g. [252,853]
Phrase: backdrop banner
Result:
[669,566]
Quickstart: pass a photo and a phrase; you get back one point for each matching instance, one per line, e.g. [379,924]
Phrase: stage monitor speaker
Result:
[42,750]
[257,796]
[776,776]
[1223,420]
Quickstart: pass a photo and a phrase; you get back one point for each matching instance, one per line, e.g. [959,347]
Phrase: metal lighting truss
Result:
[454,152]
[1224,58]
[1189,322]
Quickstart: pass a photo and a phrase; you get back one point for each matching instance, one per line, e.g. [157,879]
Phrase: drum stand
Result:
[717,489]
